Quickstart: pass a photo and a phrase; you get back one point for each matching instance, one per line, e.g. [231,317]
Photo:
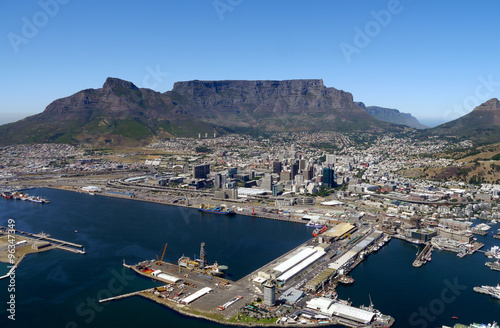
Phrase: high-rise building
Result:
[201,171]
[302,164]
[232,171]
[285,176]
[218,181]
[277,189]
[277,167]
[294,169]
[330,159]
[328,177]
[267,182]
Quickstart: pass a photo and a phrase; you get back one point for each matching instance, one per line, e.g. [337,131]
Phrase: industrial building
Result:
[320,280]
[166,277]
[292,295]
[332,308]
[339,231]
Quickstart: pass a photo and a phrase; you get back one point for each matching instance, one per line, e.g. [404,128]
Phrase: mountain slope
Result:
[392,116]
[481,125]
[120,112]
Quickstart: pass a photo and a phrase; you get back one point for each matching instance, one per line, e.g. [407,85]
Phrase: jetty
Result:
[423,255]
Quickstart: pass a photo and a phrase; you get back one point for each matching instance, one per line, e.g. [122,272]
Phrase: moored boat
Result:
[222,209]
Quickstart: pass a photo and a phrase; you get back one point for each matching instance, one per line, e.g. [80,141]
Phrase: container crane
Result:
[161,260]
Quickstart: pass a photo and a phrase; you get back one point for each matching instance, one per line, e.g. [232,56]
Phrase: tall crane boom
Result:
[161,260]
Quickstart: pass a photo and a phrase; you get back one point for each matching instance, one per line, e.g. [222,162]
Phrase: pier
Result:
[119,297]
[423,256]
[61,244]
[39,243]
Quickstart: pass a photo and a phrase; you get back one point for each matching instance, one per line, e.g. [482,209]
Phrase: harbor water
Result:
[61,289]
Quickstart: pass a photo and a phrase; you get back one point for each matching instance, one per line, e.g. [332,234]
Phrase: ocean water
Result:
[60,289]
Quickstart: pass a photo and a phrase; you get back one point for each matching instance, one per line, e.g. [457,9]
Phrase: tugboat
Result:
[346,280]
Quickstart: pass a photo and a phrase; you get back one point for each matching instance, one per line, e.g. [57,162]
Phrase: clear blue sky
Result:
[425,57]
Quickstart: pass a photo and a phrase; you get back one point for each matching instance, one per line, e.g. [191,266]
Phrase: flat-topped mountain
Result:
[481,125]
[121,112]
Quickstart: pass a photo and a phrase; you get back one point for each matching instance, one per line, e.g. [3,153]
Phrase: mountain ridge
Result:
[121,112]
[482,124]
[392,116]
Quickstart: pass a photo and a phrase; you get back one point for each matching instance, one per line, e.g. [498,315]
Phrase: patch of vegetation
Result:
[131,129]
[203,149]
[496,157]
[247,319]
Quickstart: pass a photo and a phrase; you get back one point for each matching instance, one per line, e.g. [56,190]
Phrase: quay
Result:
[42,236]
[31,243]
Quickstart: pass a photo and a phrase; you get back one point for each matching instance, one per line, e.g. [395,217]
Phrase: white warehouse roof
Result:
[198,294]
[301,266]
[168,277]
[351,313]
[294,260]
[342,260]
[320,303]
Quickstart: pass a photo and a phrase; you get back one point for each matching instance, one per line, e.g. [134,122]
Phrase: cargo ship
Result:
[319,231]
[222,209]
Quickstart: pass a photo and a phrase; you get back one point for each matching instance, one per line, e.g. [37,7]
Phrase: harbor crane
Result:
[159,261]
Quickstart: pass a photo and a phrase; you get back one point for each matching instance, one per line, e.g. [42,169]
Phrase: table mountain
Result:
[120,112]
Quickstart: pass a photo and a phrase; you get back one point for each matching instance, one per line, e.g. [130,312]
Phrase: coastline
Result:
[158,201]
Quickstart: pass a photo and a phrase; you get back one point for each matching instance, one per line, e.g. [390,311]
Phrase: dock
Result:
[61,244]
[39,243]
[423,255]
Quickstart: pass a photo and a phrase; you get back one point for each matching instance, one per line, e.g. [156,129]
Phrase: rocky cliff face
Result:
[392,116]
[120,110]
[301,104]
